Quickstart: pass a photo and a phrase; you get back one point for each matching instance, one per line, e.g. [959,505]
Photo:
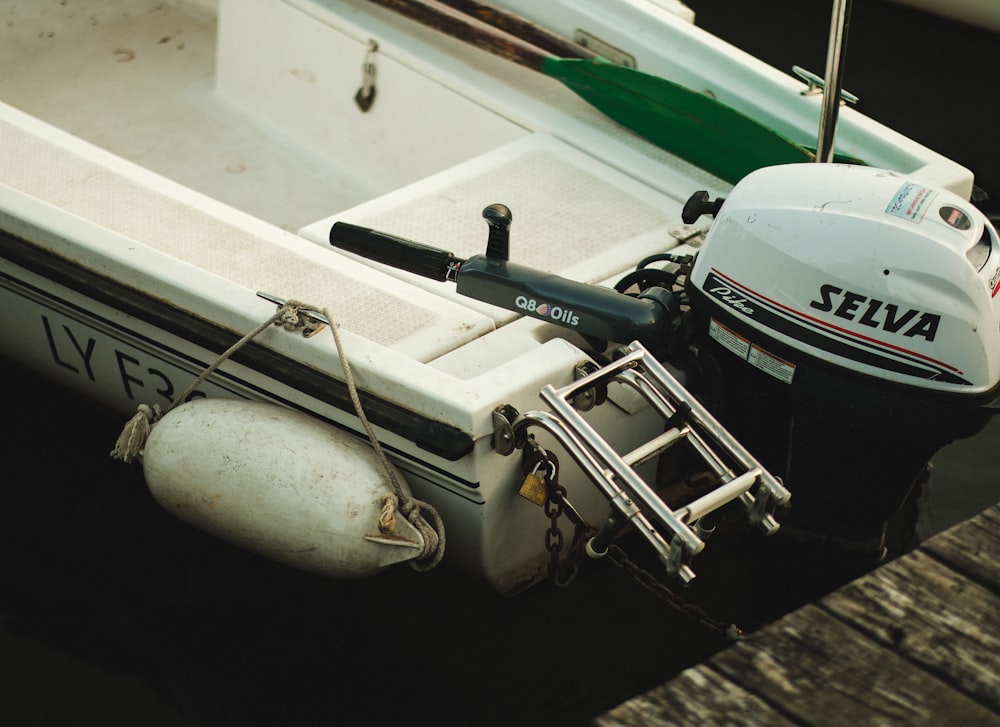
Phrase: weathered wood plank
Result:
[696,696]
[916,642]
[972,547]
[820,671]
[931,615]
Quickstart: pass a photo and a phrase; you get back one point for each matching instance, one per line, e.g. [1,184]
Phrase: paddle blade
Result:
[691,125]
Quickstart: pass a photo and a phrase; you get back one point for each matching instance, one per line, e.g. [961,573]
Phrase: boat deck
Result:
[128,72]
[175,136]
[161,134]
[915,642]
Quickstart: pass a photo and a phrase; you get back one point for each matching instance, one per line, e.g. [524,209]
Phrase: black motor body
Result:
[849,448]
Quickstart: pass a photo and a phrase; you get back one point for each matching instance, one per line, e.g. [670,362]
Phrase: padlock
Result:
[533,488]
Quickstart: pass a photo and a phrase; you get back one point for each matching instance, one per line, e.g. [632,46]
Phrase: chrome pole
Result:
[833,81]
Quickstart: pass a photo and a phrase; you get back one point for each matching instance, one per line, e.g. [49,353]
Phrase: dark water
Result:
[113,613]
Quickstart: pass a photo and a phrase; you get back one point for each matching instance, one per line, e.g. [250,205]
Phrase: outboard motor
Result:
[855,311]
[838,326]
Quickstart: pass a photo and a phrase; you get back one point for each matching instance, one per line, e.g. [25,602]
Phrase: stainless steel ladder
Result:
[673,534]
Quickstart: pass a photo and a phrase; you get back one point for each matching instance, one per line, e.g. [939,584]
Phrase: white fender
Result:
[279,483]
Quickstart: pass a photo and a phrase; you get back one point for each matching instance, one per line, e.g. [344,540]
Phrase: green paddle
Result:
[695,127]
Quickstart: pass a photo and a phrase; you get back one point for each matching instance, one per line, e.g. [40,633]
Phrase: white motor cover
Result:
[277,482]
[862,268]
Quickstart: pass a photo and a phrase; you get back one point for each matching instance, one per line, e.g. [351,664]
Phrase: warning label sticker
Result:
[728,339]
[771,364]
[911,202]
[751,352]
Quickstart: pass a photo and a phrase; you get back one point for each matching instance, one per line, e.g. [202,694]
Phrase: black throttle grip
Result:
[398,252]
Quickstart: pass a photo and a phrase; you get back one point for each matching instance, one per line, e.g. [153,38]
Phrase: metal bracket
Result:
[504,439]
[605,50]
[676,561]
[587,399]
[688,235]
[815,85]
[314,320]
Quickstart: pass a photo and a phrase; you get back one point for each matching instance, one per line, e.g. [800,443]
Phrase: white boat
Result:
[173,173]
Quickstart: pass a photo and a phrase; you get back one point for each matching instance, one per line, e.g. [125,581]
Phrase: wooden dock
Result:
[914,642]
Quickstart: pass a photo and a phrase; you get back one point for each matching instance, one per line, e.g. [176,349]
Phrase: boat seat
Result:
[573,215]
[195,234]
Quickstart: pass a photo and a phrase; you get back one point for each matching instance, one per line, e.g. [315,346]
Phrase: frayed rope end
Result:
[132,440]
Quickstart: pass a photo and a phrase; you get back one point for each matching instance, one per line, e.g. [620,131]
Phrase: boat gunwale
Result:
[436,437]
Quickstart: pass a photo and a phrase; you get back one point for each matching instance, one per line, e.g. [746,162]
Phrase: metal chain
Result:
[564,571]
[553,535]
[650,583]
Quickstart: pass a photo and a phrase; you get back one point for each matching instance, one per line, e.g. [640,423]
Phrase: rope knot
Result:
[133,437]
[291,318]
[387,516]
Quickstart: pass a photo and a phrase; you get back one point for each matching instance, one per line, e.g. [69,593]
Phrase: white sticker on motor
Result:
[751,352]
[771,364]
[728,339]
[910,202]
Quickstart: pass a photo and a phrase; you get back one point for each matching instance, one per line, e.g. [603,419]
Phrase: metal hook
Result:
[365,96]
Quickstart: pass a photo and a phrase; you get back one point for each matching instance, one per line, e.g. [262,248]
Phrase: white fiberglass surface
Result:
[139,79]
[136,79]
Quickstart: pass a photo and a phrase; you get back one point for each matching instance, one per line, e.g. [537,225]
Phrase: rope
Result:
[131,441]
[434,539]
[133,437]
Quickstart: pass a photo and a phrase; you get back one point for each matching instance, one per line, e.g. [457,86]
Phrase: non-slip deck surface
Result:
[137,78]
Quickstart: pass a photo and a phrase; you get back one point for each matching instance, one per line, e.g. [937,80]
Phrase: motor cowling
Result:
[847,327]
